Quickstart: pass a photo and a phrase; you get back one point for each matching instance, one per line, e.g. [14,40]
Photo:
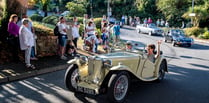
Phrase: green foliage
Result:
[201,13]
[81,29]
[50,19]
[42,29]
[206,35]
[97,22]
[194,31]
[173,9]
[36,17]
[76,9]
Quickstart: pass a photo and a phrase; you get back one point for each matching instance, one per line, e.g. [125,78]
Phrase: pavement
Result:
[17,71]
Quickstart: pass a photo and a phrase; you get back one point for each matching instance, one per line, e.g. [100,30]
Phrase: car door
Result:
[148,69]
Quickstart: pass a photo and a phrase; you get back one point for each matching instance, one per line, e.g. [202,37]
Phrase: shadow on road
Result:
[199,47]
[189,57]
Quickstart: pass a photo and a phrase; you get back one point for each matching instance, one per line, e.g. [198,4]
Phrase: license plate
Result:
[86,90]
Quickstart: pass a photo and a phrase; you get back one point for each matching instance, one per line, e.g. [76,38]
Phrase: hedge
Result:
[53,19]
[36,17]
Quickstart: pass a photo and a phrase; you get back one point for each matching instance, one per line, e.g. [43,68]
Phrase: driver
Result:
[129,46]
[151,51]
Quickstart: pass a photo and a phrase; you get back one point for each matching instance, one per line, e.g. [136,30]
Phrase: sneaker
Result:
[30,66]
[63,57]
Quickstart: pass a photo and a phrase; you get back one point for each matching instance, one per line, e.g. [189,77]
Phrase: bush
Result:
[42,29]
[97,22]
[204,35]
[194,31]
[36,17]
[81,29]
[50,19]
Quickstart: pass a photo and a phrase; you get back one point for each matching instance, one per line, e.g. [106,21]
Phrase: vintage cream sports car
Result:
[112,73]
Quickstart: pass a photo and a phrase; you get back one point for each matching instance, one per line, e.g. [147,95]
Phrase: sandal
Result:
[31,67]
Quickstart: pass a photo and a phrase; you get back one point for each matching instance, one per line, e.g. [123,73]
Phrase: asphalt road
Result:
[186,82]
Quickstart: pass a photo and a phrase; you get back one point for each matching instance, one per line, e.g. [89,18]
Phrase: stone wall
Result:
[46,45]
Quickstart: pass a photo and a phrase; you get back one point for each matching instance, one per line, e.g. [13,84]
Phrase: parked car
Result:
[149,28]
[177,37]
[65,13]
[112,73]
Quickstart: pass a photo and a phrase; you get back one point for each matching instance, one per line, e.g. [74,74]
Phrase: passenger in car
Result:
[151,55]
[129,46]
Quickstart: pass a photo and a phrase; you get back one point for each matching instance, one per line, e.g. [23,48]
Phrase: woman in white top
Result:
[26,42]
[90,29]
[75,33]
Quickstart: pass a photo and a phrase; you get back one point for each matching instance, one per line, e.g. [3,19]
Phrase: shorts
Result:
[62,41]
[117,37]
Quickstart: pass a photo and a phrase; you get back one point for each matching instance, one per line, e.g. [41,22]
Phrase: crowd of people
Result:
[22,35]
[133,21]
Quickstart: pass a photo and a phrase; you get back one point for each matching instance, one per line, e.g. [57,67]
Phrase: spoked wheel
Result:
[71,78]
[118,87]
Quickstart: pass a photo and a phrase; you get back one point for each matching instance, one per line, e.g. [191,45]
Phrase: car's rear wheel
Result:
[189,45]
[71,78]
[165,40]
[118,87]
[161,73]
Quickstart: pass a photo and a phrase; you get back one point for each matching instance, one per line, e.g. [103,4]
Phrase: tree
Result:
[76,9]
[10,7]
[44,5]
[201,13]
[173,9]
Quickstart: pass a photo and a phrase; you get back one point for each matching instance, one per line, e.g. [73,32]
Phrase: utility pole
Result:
[192,11]
[91,9]
[108,9]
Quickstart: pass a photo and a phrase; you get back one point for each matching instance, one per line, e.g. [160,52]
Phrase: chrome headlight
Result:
[83,60]
[107,63]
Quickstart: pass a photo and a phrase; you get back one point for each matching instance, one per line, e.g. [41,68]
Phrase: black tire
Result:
[113,83]
[162,71]
[189,45]
[173,43]
[165,40]
[150,33]
[68,75]
[139,31]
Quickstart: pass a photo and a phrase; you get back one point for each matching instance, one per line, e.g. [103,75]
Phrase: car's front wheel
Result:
[150,33]
[173,43]
[118,87]
[138,30]
[71,78]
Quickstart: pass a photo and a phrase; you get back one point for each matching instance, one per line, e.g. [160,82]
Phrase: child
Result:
[70,49]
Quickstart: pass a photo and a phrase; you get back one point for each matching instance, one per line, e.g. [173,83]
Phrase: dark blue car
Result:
[177,37]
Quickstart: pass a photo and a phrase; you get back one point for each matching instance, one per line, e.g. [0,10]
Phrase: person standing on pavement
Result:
[116,31]
[85,23]
[63,37]
[90,29]
[75,34]
[30,27]
[149,21]
[104,20]
[26,42]
[13,38]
